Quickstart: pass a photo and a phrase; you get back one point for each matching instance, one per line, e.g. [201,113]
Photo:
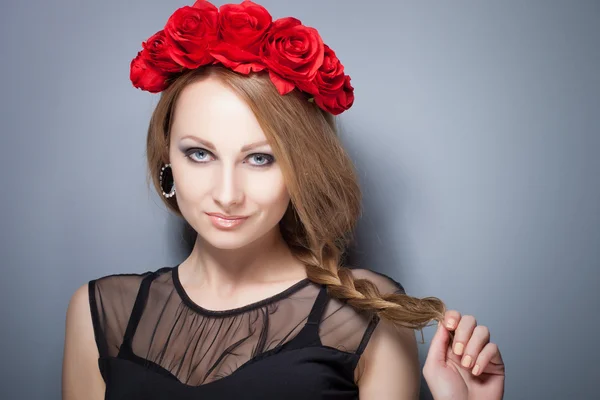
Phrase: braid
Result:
[362,294]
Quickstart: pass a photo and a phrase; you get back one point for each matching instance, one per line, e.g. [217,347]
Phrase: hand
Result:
[472,368]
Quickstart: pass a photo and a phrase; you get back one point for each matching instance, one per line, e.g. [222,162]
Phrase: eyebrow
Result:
[211,146]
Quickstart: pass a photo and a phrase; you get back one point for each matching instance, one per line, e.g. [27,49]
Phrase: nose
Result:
[228,190]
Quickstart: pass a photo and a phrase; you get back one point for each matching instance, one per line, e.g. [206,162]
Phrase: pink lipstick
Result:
[222,222]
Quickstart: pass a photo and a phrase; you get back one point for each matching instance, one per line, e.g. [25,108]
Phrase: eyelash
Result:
[188,153]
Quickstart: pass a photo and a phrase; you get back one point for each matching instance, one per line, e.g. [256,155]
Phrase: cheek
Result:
[193,184]
[267,189]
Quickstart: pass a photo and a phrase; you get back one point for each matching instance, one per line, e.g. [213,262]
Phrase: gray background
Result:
[475,130]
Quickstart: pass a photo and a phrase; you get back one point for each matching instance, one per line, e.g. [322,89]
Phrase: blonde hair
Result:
[322,183]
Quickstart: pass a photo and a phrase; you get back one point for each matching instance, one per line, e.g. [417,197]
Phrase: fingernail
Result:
[466,362]
[476,369]
[458,348]
[451,323]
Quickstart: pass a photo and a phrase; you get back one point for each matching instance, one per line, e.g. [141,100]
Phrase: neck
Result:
[267,259]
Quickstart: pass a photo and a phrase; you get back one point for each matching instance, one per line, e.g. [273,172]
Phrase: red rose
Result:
[244,25]
[242,28]
[330,77]
[146,77]
[292,52]
[190,32]
[157,49]
[339,102]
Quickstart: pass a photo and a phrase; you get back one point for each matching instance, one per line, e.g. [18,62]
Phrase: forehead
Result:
[211,110]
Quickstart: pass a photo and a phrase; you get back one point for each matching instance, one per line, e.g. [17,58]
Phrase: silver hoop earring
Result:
[166,178]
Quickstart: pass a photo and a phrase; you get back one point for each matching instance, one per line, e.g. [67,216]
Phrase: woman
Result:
[242,145]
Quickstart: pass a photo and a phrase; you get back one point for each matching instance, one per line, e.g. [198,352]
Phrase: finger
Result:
[463,332]
[480,337]
[439,346]
[451,318]
[489,353]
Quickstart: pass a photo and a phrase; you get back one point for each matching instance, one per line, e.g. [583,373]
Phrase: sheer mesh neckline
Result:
[232,311]
[302,336]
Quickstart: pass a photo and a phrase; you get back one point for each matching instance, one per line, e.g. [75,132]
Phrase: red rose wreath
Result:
[244,38]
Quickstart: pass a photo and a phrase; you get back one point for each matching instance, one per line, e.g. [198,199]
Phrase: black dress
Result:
[156,343]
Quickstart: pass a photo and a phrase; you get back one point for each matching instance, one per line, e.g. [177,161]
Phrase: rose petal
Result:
[283,86]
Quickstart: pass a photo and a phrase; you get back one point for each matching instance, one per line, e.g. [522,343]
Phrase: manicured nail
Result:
[458,349]
[451,323]
[466,362]
[476,369]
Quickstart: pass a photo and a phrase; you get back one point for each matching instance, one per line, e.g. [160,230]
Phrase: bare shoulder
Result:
[389,367]
[390,364]
[79,315]
[79,299]
[81,376]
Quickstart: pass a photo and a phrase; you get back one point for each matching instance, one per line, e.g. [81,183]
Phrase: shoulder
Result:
[79,315]
[80,373]
[78,308]
[389,365]
[129,276]
[116,293]
[384,283]
[83,300]
[122,283]
[111,301]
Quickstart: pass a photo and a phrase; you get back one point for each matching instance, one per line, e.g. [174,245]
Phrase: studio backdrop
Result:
[475,131]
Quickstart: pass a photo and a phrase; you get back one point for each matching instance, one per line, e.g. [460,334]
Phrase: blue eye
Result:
[191,152]
[261,159]
[267,157]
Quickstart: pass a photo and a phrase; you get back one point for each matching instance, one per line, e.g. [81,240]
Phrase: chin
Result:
[227,240]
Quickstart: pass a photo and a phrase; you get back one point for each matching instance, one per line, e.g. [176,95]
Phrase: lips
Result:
[231,217]
[231,222]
